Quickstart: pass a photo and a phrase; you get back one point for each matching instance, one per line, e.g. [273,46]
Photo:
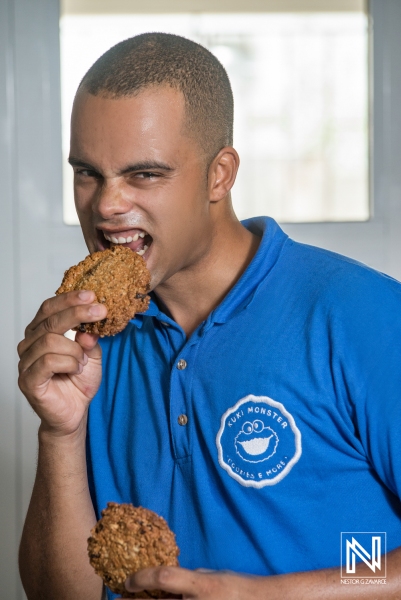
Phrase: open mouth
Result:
[138,240]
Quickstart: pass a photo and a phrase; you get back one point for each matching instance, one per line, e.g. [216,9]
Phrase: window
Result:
[300,83]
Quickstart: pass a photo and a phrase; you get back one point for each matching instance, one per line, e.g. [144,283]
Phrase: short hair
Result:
[153,59]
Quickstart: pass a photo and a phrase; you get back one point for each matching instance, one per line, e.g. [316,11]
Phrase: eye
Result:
[86,173]
[258,425]
[247,428]
[146,175]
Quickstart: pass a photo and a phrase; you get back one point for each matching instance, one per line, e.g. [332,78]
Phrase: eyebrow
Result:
[146,165]
[75,162]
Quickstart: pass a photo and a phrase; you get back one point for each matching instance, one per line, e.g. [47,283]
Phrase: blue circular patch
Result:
[258,442]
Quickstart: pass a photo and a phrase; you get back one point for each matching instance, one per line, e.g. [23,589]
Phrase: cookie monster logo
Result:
[258,442]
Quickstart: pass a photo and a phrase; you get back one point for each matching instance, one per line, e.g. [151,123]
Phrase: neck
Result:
[192,294]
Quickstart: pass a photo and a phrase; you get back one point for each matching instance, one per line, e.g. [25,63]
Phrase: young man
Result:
[255,405]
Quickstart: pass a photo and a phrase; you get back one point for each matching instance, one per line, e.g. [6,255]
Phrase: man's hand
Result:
[323,584]
[196,585]
[58,376]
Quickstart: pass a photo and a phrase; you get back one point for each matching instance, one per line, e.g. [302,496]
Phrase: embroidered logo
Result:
[258,442]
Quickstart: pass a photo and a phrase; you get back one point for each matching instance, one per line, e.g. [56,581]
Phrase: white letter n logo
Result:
[354,548]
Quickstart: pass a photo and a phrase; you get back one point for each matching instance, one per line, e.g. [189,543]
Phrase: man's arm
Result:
[59,377]
[324,584]
[53,556]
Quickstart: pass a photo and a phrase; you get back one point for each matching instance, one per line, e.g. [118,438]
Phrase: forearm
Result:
[53,556]
[326,584]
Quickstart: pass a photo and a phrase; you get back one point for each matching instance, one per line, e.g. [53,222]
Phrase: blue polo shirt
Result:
[272,429]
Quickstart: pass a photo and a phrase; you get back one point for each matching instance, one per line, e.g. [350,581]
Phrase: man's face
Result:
[139,180]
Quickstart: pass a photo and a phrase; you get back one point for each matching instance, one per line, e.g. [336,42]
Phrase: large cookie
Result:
[120,279]
[127,539]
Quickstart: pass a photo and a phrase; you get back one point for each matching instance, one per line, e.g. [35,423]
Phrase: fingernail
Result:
[97,310]
[85,359]
[85,295]
[130,584]
[80,368]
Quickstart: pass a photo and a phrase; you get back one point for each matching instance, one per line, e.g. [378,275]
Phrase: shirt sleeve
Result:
[369,321]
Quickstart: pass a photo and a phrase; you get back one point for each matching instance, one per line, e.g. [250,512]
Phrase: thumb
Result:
[89,344]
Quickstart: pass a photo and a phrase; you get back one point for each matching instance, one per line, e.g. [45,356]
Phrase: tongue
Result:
[135,246]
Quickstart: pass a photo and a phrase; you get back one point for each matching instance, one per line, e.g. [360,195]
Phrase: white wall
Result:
[37,247]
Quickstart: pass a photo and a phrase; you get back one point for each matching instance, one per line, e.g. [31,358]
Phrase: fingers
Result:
[170,579]
[42,370]
[69,314]
[56,304]
[45,351]
[88,342]
[202,584]
[51,343]
[60,376]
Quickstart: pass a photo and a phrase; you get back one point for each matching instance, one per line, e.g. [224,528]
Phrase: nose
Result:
[112,199]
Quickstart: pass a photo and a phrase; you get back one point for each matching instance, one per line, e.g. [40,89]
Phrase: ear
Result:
[222,173]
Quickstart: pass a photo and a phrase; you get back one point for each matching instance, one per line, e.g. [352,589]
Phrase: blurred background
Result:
[317,89]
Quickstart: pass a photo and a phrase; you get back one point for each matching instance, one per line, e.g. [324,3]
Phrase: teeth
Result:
[145,247]
[141,252]
[122,240]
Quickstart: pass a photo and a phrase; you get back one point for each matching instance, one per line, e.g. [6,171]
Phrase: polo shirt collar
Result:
[241,295]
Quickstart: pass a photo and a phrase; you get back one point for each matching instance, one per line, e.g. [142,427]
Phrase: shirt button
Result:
[182,420]
[182,364]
